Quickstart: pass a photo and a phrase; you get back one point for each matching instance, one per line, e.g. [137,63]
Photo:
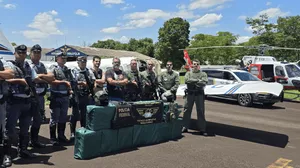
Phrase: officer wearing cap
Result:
[168,82]
[60,90]
[38,108]
[19,102]
[79,109]
[6,72]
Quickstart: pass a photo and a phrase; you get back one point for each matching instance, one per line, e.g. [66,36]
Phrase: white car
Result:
[227,77]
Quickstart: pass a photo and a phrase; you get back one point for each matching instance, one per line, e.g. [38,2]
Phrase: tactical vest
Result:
[21,72]
[40,70]
[3,85]
[98,75]
[62,75]
[80,77]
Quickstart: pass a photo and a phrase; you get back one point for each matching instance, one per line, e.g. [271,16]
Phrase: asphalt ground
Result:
[243,137]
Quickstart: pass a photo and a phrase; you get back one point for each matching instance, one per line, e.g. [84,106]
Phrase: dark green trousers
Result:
[200,108]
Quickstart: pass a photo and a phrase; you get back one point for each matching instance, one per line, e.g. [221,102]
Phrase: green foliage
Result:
[174,35]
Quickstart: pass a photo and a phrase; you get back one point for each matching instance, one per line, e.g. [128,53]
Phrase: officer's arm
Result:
[101,81]
[58,82]
[175,87]
[124,81]
[109,78]
[10,68]
[48,78]
[8,73]
[188,79]
[203,80]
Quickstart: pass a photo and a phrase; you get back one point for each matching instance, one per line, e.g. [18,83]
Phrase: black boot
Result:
[7,162]
[22,150]
[72,129]
[61,133]
[53,139]
[34,132]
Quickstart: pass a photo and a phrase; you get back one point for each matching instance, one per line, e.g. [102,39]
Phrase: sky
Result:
[53,23]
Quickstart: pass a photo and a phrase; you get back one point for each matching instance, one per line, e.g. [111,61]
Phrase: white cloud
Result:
[206,20]
[128,6]
[81,12]
[268,3]
[181,6]
[109,3]
[242,39]
[111,30]
[204,4]
[10,6]
[243,17]
[44,25]
[185,14]
[272,13]
[149,14]
[123,39]
[140,23]
[53,12]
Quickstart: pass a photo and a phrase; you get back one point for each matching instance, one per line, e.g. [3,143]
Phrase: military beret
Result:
[21,48]
[36,48]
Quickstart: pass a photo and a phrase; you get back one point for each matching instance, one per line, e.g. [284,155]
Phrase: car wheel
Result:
[245,100]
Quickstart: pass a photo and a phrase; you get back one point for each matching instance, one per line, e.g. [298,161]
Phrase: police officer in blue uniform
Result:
[19,102]
[6,72]
[59,99]
[38,108]
[79,110]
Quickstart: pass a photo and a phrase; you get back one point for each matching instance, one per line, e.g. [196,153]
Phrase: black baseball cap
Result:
[36,48]
[21,48]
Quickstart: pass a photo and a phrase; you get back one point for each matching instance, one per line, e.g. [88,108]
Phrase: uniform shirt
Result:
[3,85]
[98,75]
[195,80]
[39,68]
[33,76]
[149,77]
[115,91]
[80,77]
[133,75]
[168,81]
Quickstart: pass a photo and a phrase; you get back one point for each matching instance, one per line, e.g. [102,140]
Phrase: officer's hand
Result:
[68,84]
[134,82]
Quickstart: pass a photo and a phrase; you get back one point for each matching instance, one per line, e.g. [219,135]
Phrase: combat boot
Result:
[7,162]
[72,129]
[22,149]
[34,132]
[53,139]
[61,133]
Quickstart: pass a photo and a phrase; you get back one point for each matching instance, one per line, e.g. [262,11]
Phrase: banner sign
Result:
[148,112]
[69,51]
[123,115]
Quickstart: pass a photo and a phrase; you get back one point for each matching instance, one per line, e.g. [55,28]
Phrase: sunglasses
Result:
[195,64]
[169,64]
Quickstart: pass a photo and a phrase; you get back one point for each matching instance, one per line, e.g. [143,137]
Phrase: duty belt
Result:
[59,94]
[195,92]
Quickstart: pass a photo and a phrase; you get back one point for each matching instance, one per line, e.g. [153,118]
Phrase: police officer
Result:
[38,109]
[19,102]
[150,82]
[116,80]
[168,81]
[195,81]
[79,110]
[6,72]
[98,73]
[133,88]
[59,99]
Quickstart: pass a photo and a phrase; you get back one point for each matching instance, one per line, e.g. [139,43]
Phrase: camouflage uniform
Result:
[195,81]
[168,81]
[133,92]
[149,91]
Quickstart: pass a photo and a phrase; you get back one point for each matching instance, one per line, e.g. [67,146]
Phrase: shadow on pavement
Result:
[246,134]
[40,159]
[255,105]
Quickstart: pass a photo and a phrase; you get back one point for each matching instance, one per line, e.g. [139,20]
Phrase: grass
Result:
[181,79]
[292,96]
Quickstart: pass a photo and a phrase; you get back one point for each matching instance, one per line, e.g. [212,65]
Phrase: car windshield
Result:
[292,70]
[245,76]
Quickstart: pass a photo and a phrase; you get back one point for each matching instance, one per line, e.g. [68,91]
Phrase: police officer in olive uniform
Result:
[60,91]
[83,94]
[195,81]
[133,88]
[6,72]
[168,81]
[98,73]
[19,102]
[38,108]
[150,82]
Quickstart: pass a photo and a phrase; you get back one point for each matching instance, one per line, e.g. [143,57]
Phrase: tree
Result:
[13,44]
[174,35]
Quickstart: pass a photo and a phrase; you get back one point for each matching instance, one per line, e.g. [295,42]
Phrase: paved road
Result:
[244,137]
